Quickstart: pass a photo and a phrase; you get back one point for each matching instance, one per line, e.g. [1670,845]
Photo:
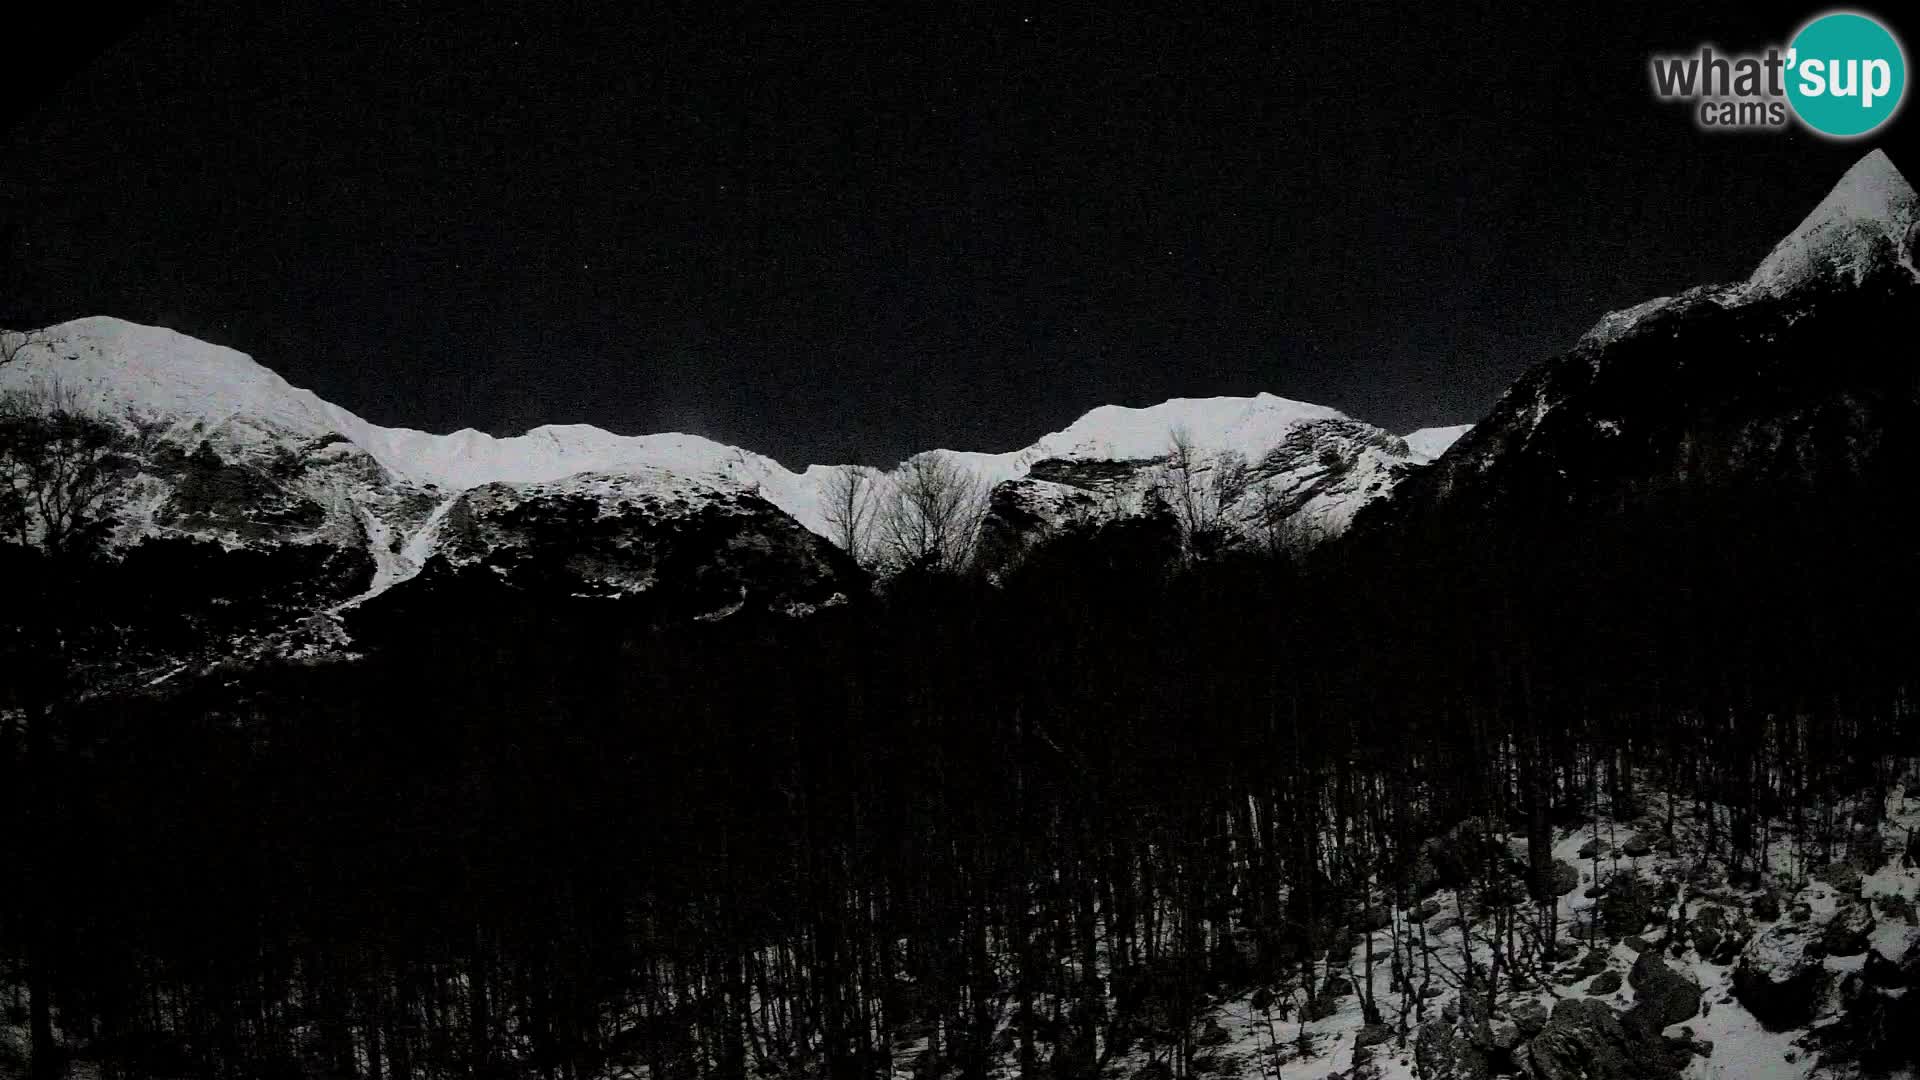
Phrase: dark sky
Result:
[831,235]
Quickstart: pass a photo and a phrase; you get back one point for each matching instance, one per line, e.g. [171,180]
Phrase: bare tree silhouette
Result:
[933,515]
[850,505]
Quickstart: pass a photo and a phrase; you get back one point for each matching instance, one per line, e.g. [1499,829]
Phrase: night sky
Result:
[831,236]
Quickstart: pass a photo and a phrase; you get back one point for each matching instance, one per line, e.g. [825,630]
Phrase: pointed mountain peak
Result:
[1864,223]
[1872,190]
[1878,166]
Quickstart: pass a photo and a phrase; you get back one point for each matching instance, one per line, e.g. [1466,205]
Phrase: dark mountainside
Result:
[1609,707]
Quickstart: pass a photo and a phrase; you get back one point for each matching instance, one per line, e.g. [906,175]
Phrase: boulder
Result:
[1719,936]
[1592,963]
[1895,952]
[1604,983]
[1691,1044]
[1626,905]
[1777,978]
[1585,1040]
[1847,932]
[1874,1025]
[1565,877]
[1504,1036]
[1442,1053]
[1662,996]
[1372,1035]
[1531,1015]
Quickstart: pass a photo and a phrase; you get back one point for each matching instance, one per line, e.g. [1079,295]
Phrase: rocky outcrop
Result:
[1834,967]
[1662,996]
[1649,402]
[702,549]
[1585,1040]
[1780,978]
[1719,936]
[1292,479]
[1442,1052]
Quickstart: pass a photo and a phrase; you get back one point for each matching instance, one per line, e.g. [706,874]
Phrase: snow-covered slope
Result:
[1430,443]
[1866,222]
[1864,225]
[1783,373]
[391,486]
[1671,963]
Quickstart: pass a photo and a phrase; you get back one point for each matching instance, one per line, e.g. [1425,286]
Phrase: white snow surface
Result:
[1871,206]
[1429,443]
[1866,221]
[189,390]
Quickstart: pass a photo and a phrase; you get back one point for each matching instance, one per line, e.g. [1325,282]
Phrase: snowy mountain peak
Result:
[1429,443]
[1247,425]
[288,467]
[1865,222]
[114,366]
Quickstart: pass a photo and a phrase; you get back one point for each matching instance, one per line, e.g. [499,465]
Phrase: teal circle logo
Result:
[1846,74]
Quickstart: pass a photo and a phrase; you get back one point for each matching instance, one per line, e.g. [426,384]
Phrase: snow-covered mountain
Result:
[228,453]
[287,511]
[1267,471]
[1796,372]
[1863,227]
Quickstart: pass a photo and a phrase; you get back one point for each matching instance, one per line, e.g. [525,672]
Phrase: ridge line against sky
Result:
[845,237]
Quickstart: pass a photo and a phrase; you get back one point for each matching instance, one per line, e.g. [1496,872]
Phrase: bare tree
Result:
[1273,518]
[933,515]
[1203,494]
[56,468]
[850,510]
[1280,524]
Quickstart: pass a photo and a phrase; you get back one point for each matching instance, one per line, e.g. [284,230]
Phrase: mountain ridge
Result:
[468,457]
[1780,373]
[191,391]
